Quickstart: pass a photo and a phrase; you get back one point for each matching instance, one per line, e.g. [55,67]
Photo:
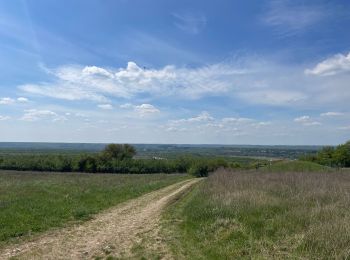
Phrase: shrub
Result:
[330,156]
[199,170]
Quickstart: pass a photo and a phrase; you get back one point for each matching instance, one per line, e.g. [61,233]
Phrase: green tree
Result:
[326,156]
[119,151]
[87,164]
[342,155]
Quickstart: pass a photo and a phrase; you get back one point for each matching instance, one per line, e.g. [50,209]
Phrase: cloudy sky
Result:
[161,71]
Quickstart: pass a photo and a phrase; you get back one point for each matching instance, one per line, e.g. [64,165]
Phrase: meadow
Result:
[35,202]
[260,208]
[263,215]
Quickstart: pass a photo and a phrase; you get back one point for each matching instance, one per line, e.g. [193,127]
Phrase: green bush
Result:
[199,170]
[332,156]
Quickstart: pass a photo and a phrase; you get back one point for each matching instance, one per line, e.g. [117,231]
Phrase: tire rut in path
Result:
[112,232]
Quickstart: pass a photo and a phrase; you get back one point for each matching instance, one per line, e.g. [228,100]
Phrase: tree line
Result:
[115,158]
[338,156]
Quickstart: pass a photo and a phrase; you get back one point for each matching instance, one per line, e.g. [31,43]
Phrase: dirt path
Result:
[114,232]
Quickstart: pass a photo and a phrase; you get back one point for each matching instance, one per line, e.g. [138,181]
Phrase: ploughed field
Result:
[35,202]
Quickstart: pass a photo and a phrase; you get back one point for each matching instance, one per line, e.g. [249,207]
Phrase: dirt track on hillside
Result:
[114,232]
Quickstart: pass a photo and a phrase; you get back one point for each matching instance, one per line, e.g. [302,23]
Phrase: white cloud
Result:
[7,101]
[202,117]
[126,106]
[93,83]
[306,121]
[204,122]
[344,127]
[93,70]
[261,124]
[312,123]
[63,90]
[22,100]
[273,97]
[105,106]
[12,101]
[189,22]
[293,17]
[36,115]
[332,114]
[146,109]
[337,64]
[142,110]
[237,120]
[4,118]
[302,119]
[250,79]
[246,79]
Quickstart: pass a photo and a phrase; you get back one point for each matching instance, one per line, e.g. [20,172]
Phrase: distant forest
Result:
[167,150]
[114,158]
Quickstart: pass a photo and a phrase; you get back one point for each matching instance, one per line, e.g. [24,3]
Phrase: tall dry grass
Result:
[268,215]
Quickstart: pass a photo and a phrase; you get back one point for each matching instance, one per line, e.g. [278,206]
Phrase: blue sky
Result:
[160,71]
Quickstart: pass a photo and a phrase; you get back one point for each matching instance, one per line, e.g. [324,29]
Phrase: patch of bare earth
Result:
[120,232]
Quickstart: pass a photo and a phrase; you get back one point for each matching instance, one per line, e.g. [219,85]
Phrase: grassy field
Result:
[35,202]
[263,215]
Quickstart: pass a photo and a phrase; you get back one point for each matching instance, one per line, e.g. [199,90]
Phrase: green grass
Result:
[263,215]
[35,202]
[295,166]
